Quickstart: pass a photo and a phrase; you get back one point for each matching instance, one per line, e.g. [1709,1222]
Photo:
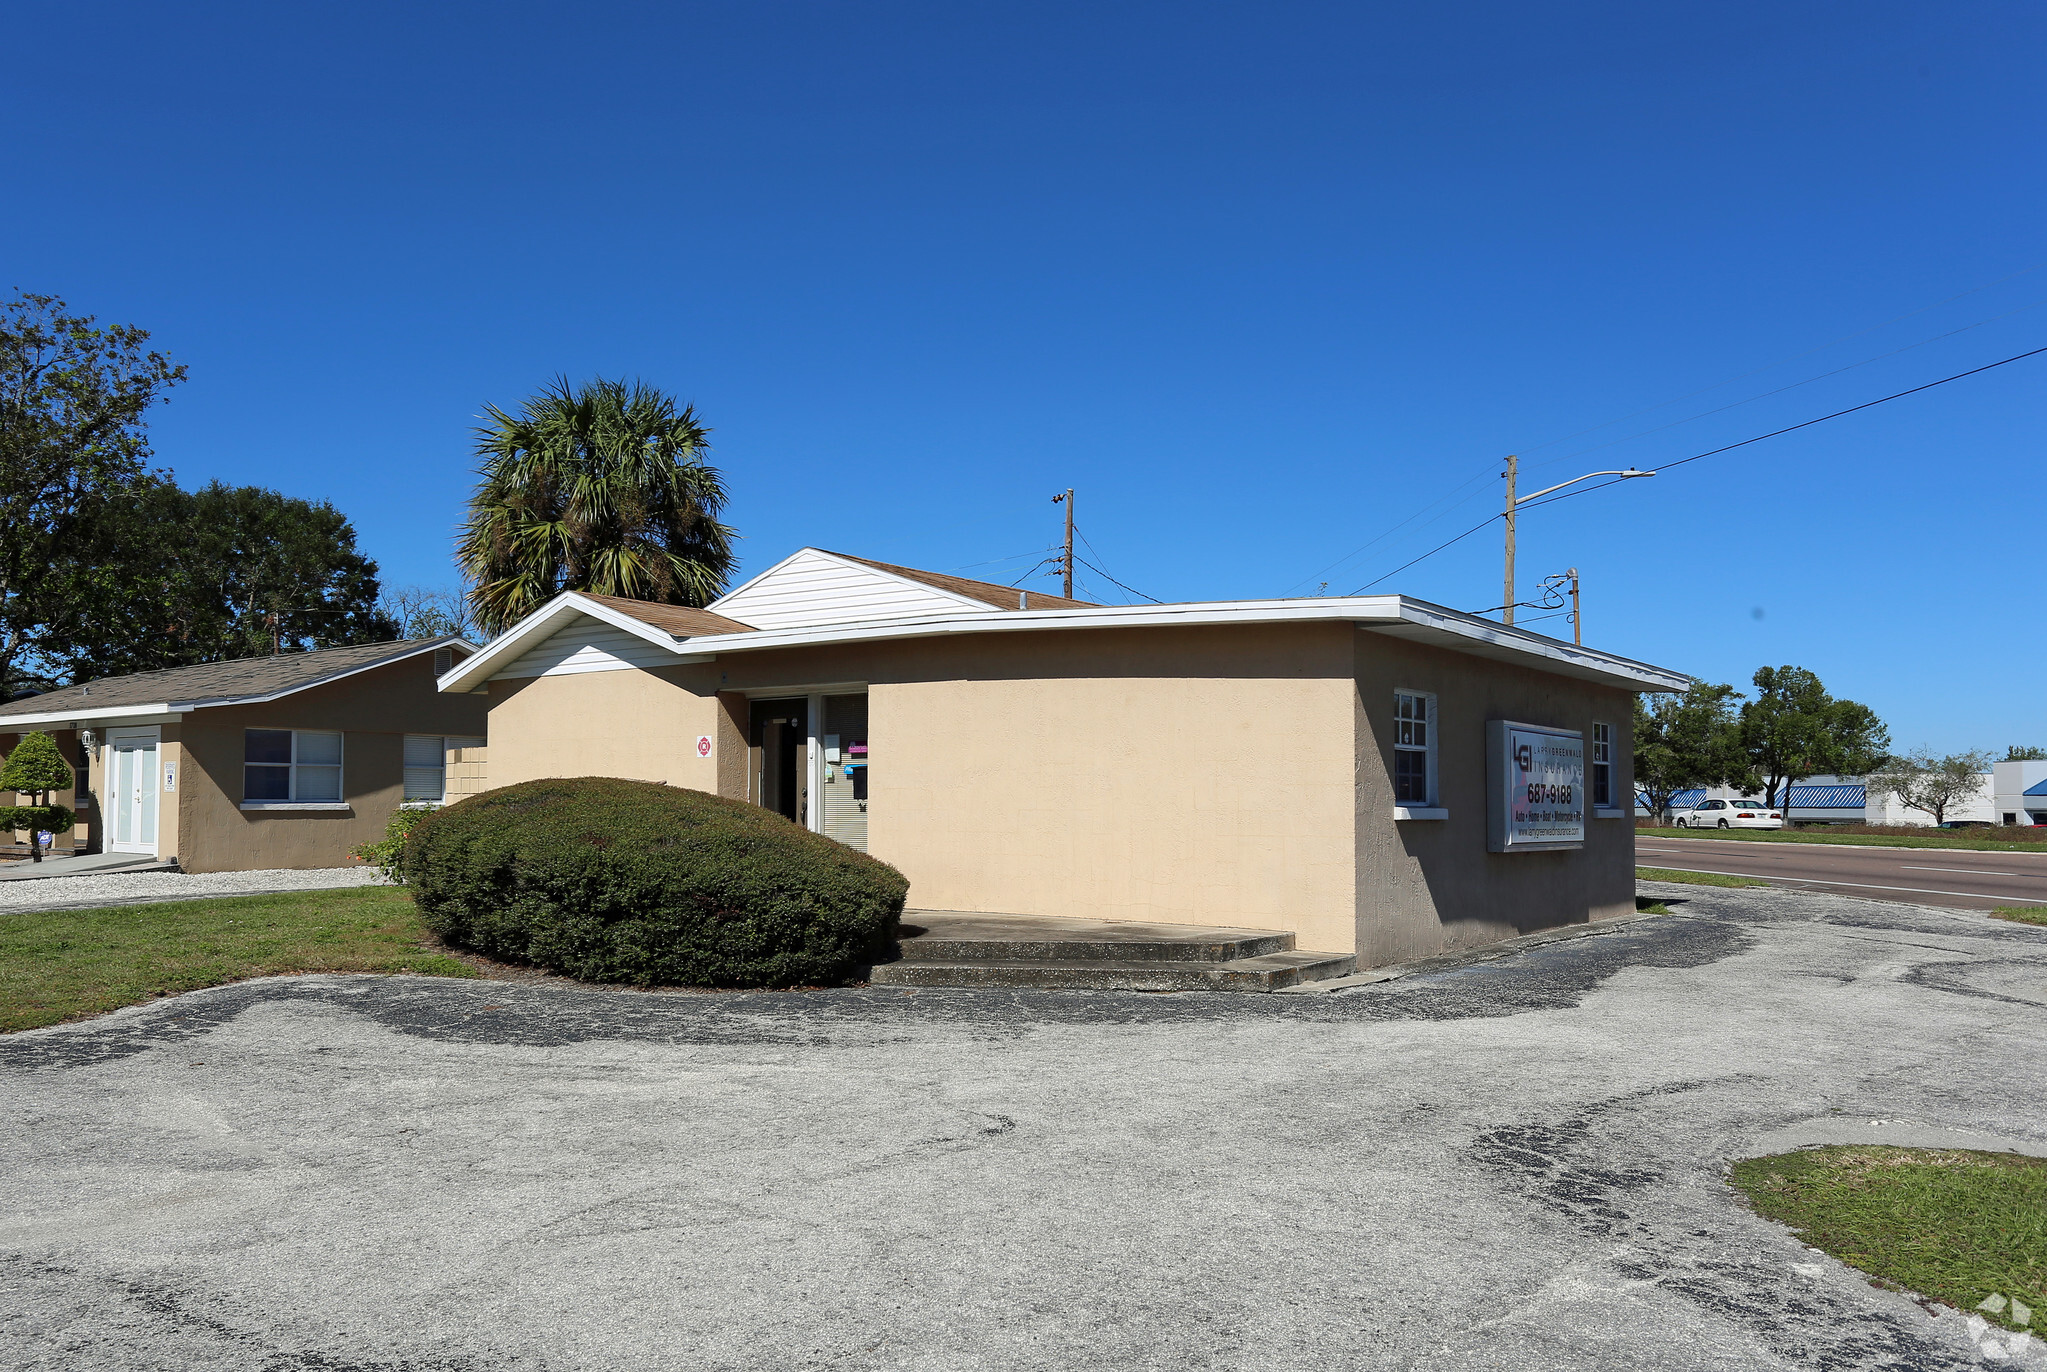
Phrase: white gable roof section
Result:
[591,634]
[813,587]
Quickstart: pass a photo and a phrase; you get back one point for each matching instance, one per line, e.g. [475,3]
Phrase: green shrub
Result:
[384,852]
[632,881]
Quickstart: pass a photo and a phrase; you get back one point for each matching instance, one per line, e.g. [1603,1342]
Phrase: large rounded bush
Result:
[609,880]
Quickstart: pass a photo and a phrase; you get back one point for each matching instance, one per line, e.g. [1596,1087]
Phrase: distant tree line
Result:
[108,566]
[1713,735]
[1792,729]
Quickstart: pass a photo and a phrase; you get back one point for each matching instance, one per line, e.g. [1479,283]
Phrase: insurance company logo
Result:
[1994,1344]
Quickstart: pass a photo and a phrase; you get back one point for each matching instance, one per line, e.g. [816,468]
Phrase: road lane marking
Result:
[1967,871]
[1864,885]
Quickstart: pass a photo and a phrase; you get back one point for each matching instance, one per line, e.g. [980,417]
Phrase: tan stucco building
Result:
[286,761]
[1330,767]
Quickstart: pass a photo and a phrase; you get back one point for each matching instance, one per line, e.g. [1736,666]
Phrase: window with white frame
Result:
[1414,747]
[287,765]
[1602,766]
[426,768]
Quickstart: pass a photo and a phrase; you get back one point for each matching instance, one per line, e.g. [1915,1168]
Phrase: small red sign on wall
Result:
[703,745]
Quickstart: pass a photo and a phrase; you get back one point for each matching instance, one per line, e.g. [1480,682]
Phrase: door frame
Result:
[154,737]
[813,761]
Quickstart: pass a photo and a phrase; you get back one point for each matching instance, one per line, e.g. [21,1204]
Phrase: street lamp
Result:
[1514,502]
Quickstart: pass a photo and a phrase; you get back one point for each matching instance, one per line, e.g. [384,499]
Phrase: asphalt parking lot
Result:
[1510,1164]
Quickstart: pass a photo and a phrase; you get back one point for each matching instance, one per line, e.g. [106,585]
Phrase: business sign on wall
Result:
[1535,777]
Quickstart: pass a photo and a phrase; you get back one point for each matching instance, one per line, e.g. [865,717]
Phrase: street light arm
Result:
[1630,472]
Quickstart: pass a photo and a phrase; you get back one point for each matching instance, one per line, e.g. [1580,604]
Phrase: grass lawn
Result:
[1958,1226]
[1940,838]
[67,964]
[1694,878]
[2024,914]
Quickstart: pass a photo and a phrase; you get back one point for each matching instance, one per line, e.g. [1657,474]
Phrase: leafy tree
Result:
[72,440]
[1932,784]
[171,577]
[1688,740]
[35,768]
[1793,730]
[2015,753]
[599,488]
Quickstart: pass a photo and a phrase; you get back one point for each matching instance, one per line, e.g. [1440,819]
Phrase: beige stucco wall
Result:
[1195,777]
[1429,885]
[208,831]
[642,725]
[1225,776]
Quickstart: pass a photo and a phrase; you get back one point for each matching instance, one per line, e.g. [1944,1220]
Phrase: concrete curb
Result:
[1445,962]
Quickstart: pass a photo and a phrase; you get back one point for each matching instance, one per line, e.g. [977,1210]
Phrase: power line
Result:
[1895,395]
[1112,581]
[1715,452]
[1822,347]
[1013,557]
[1792,386]
[1453,496]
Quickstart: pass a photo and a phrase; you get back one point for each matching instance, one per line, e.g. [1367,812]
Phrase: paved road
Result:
[1964,880]
[1512,1164]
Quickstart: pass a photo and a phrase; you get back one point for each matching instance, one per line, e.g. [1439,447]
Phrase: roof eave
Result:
[1392,614]
[510,645]
[172,710]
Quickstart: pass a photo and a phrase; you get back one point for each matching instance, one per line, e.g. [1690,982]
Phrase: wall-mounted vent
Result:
[444,659]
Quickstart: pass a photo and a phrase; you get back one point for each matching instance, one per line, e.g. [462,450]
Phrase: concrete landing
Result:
[955,948]
[85,865]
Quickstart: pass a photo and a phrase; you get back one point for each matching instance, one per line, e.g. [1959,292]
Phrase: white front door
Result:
[131,787]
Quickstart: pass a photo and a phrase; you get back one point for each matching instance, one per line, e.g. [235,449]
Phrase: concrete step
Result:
[1264,972]
[938,947]
[952,936]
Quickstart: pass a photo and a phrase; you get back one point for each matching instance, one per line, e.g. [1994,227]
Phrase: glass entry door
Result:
[131,786]
[779,749]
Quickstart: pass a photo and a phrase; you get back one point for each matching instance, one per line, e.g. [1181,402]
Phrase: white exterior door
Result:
[131,786]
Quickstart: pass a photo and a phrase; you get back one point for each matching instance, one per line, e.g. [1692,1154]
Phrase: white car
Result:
[1730,814]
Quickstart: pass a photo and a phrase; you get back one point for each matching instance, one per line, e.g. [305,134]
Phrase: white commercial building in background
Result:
[1977,807]
[2020,792]
[2011,793]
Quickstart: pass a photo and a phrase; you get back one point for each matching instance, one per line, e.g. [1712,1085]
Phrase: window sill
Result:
[422,804]
[1420,812]
[295,805]
[1603,812]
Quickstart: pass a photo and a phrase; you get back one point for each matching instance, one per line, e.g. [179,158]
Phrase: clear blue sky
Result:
[1262,281]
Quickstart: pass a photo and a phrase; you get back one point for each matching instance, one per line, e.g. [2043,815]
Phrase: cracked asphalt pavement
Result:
[1515,1163]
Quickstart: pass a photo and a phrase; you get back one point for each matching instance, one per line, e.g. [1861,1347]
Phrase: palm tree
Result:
[597,488]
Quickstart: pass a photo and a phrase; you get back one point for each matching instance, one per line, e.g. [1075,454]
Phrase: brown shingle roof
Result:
[987,592]
[223,681]
[672,619]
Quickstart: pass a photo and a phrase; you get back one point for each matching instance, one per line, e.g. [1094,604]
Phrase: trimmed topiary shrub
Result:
[632,881]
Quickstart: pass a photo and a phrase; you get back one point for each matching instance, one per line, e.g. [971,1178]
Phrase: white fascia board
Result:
[1421,621]
[108,716]
[510,645]
[1390,614]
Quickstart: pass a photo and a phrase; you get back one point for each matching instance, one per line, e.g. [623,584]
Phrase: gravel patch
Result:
[137,888]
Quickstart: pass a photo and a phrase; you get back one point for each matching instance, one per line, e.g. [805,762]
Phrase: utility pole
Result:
[1577,622]
[1515,501]
[1067,565]
[1513,470]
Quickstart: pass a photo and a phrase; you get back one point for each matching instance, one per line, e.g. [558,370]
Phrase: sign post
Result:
[1535,784]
